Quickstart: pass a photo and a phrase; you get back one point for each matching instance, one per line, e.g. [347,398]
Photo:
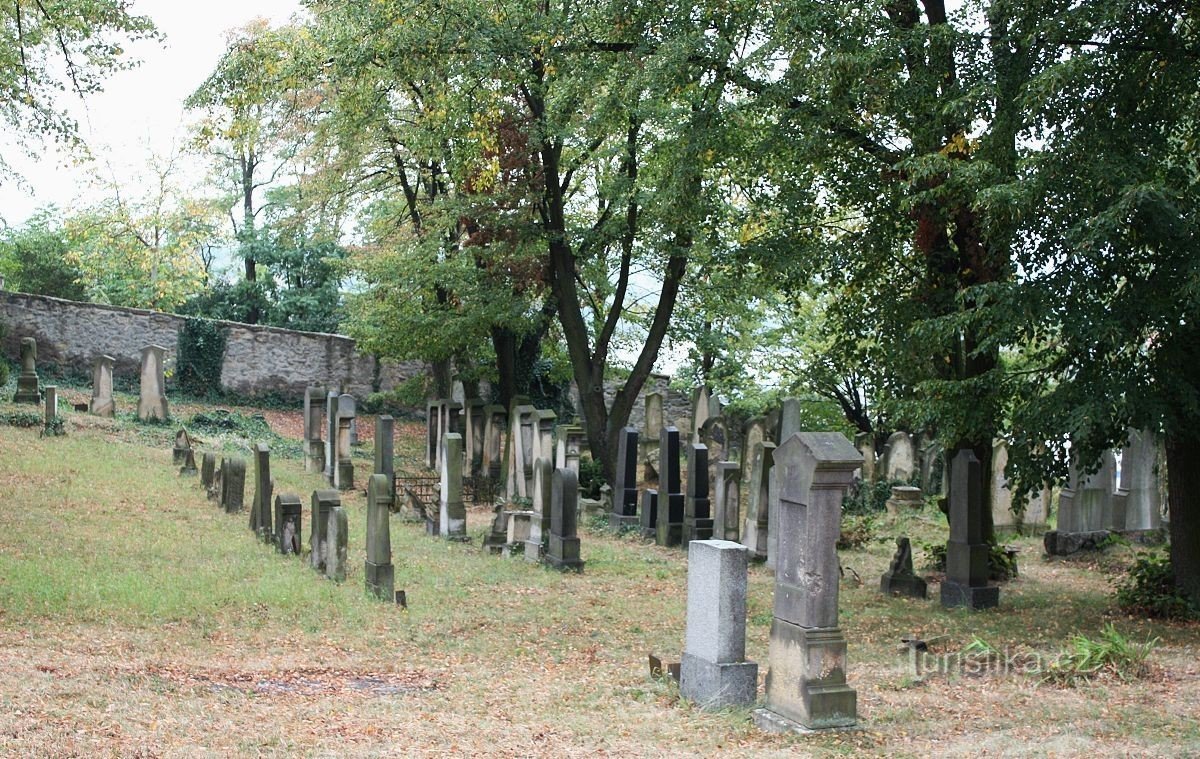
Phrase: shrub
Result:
[26,419]
[857,531]
[591,478]
[867,498]
[1149,589]
[1001,566]
[1111,653]
[201,356]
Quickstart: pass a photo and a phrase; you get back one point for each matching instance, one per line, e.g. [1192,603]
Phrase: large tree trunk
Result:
[1183,488]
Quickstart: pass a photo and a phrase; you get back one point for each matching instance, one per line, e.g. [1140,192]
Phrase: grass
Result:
[137,617]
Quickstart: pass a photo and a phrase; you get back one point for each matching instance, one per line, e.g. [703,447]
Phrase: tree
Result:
[34,258]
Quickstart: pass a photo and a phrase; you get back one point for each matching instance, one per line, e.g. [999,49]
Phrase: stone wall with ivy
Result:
[257,360]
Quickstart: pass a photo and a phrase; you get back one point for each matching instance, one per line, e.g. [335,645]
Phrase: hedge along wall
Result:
[258,360]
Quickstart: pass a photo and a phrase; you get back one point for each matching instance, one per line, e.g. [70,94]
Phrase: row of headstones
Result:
[152,399]
[330,455]
[806,685]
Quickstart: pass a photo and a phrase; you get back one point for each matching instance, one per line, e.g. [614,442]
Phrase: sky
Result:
[140,110]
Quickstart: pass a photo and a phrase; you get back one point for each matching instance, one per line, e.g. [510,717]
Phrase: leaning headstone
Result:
[380,574]
[385,448]
[183,444]
[624,513]
[28,388]
[189,464]
[562,550]
[314,447]
[714,672]
[755,532]
[344,478]
[900,579]
[337,541]
[1141,477]
[806,684]
[102,387]
[323,502]
[697,515]
[648,516]
[260,511]
[670,506]
[152,400]
[452,523]
[900,460]
[208,470]
[233,485]
[966,582]
[289,511]
[727,516]
[539,527]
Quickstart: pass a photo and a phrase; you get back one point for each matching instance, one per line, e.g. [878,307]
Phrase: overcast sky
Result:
[138,108]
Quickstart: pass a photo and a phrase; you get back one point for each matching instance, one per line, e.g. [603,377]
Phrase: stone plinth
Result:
[337,534]
[323,502]
[289,511]
[152,399]
[562,550]
[380,574]
[28,387]
[905,498]
[697,514]
[102,387]
[260,510]
[452,512]
[966,582]
[625,494]
[648,516]
[900,579]
[713,671]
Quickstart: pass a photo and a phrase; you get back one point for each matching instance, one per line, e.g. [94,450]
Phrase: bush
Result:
[857,531]
[201,356]
[591,479]
[1001,565]
[26,419]
[867,498]
[404,400]
[1149,589]
[227,421]
[1111,653]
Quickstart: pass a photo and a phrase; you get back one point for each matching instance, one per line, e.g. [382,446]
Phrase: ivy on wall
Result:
[201,356]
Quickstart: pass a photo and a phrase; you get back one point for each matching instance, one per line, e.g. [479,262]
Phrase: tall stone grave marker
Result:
[289,511]
[344,477]
[208,470]
[714,672]
[522,435]
[727,517]
[1083,507]
[701,411]
[562,551]
[51,410]
[495,422]
[385,452]
[966,582]
[539,523]
[331,432]
[789,418]
[102,387]
[1141,477]
[452,522]
[670,506]
[474,424]
[755,533]
[900,458]
[314,447]
[755,432]
[216,491]
[431,434]
[624,512]
[544,446]
[865,442]
[648,516]
[323,503]
[152,400]
[697,514]
[380,574]
[649,439]
[28,387]
[260,511]
[337,544]
[806,684]
[233,484]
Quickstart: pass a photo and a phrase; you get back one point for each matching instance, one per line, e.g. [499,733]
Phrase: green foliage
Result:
[591,478]
[857,531]
[3,371]
[254,426]
[551,389]
[1149,589]
[201,357]
[55,427]
[26,419]
[867,498]
[1110,654]
[405,400]
[34,258]
[1001,565]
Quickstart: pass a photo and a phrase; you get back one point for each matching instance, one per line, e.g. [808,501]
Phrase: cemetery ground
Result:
[138,619]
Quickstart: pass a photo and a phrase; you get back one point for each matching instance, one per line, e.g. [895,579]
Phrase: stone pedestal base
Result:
[314,463]
[28,389]
[621,522]
[755,540]
[770,722]
[1060,543]
[153,408]
[980,597]
[345,475]
[806,681]
[563,553]
[715,686]
[696,529]
[903,585]
[381,580]
[102,407]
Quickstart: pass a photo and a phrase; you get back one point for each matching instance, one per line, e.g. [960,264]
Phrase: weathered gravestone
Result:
[452,522]
[385,452]
[331,433]
[380,574]
[648,515]
[966,582]
[899,458]
[755,432]
[900,579]
[208,470]
[474,424]
[806,684]
[28,387]
[260,509]
[183,444]
[904,498]
[216,491]
[697,515]
[323,503]
[570,447]
[518,450]
[289,512]
[49,424]
[543,448]
[865,442]
[755,532]
[624,506]
[431,434]
[1141,477]
[233,484]
[1004,501]
[314,447]
[714,672]
[495,423]
[649,439]
[539,525]
[102,387]
[562,550]
[670,507]
[344,479]
[152,398]
[449,422]
[702,409]
[189,464]
[727,516]
[789,418]
[1082,507]
[715,436]
[337,543]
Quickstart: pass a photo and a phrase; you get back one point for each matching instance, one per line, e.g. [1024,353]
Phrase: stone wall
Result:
[677,408]
[258,360]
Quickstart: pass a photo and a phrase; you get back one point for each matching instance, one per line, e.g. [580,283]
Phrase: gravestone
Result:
[1141,477]
[260,510]
[539,526]
[495,422]
[904,498]
[344,478]
[929,455]
[701,411]
[755,432]
[624,506]
[789,418]
[543,448]
[28,387]
[571,443]
[452,522]
[385,453]
[519,450]
[449,422]
[337,544]
[208,471]
[216,491]
[152,399]
[806,682]
[183,444]
[966,582]
[714,672]
[331,436]
[697,514]
[289,513]
[189,464]
[518,523]
[314,447]
[755,532]
[648,440]
[1004,500]
[380,574]
[670,507]
[432,412]
[900,458]
[1082,507]
[865,442]
[715,436]
[727,517]
[900,579]
[233,485]
[562,550]
[102,387]
[323,503]
[648,517]
[51,410]
[474,424]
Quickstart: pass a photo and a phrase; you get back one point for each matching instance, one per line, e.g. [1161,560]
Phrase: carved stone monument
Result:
[966,582]
[323,503]
[900,579]
[452,522]
[562,550]
[697,514]
[102,387]
[714,672]
[28,387]
[625,494]
[380,574]
[670,506]
[152,400]
[289,511]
